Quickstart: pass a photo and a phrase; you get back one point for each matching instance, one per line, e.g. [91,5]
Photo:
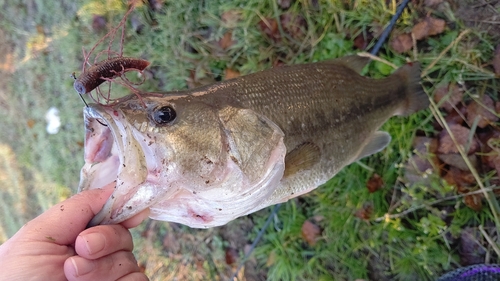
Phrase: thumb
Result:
[62,223]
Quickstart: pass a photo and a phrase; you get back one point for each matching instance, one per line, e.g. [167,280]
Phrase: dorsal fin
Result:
[354,62]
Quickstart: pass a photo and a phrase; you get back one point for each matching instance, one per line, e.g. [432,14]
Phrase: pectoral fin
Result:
[302,157]
[378,141]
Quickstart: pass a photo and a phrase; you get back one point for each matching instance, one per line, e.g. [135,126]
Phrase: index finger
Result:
[62,223]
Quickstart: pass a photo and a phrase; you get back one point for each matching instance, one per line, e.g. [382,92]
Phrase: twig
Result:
[431,65]
[490,240]
[404,213]
[379,59]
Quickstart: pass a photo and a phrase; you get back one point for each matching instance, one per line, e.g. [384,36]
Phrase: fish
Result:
[206,156]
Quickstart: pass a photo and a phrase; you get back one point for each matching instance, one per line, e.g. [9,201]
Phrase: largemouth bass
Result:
[206,156]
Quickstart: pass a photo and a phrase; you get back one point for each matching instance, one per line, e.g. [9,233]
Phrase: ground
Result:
[417,209]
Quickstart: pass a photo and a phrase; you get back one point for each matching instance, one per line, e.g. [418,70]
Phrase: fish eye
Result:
[163,115]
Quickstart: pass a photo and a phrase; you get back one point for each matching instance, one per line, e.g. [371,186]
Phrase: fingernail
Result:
[94,242]
[82,266]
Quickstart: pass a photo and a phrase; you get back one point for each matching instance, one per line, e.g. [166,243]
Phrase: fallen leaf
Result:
[98,23]
[470,249]
[424,162]
[482,111]
[430,3]
[30,123]
[456,160]
[365,213]
[401,43]
[374,183]
[227,40]
[171,244]
[474,201]
[362,40]
[460,179]
[448,96]
[231,18]
[461,134]
[271,259]
[294,25]
[231,255]
[310,232]
[425,145]
[284,4]
[270,27]
[230,74]
[496,60]
[156,5]
[428,27]
[455,117]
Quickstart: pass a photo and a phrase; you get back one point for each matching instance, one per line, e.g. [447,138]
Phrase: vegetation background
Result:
[421,207]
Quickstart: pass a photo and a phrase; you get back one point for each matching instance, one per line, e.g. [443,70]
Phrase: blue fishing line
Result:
[374,51]
[389,27]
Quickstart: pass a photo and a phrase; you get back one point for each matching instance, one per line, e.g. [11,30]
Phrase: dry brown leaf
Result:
[230,74]
[365,213]
[374,183]
[310,232]
[460,179]
[430,3]
[227,40]
[496,60]
[417,167]
[156,5]
[481,111]
[270,27]
[284,4]
[231,255]
[428,27]
[456,160]
[454,117]
[231,18]
[474,201]
[461,134]
[425,145]
[98,23]
[470,249]
[401,43]
[361,41]
[294,25]
[30,123]
[452,95]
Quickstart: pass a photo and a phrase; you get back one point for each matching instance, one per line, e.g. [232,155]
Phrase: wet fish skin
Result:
[241,145]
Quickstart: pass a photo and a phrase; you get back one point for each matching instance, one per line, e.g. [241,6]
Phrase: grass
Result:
[38,169]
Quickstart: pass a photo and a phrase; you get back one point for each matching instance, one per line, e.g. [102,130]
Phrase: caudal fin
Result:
[416,98]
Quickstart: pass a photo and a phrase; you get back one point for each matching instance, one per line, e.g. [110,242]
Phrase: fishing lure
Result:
[106,70]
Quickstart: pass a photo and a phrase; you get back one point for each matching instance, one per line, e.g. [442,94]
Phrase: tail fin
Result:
[416,98]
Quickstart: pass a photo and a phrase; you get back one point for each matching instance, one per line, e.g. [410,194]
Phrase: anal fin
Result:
[302,157]
[378,141]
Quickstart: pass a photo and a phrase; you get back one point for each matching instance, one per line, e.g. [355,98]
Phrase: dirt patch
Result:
[481,15]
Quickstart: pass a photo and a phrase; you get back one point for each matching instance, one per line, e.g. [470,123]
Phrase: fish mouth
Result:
[107,140]
[102,150]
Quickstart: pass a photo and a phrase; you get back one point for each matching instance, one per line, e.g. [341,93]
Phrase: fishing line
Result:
[276,208]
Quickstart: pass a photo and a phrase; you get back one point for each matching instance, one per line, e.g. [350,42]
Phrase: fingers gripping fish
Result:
[206,156]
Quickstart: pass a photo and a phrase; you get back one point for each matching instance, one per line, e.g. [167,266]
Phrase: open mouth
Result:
[113,157]
[102,150]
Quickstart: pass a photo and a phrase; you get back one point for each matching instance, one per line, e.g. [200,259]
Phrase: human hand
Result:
[56,245]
